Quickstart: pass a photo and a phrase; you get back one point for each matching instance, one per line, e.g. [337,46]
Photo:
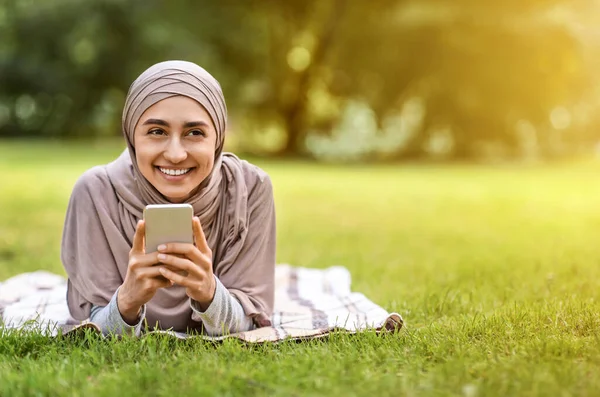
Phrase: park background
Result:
[331,80]
[444,151]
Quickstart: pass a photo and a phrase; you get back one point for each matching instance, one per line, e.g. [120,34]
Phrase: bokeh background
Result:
[330,80]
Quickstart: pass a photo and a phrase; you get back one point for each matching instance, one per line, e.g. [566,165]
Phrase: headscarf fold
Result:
[234,204]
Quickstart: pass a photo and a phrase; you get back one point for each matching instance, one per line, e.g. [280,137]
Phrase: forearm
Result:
[224,315]
[110,321]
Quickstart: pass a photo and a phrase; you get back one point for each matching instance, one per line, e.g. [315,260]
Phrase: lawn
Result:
[495,270]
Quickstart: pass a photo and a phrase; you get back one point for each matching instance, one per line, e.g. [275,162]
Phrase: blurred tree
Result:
[481,67]
[300,36]
[60,73]
[485,73]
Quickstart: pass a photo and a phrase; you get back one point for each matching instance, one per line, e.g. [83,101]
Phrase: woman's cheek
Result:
[209,164]
[207,159]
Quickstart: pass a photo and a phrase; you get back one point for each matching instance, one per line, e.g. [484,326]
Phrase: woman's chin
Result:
[175,197]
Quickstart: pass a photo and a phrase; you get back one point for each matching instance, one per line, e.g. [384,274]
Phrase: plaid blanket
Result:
[309,303]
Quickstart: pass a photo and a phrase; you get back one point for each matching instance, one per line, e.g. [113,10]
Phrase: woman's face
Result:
[175,142]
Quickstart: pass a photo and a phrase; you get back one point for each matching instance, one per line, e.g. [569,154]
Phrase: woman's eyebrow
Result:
[156,122]
[190,124]
[187,124]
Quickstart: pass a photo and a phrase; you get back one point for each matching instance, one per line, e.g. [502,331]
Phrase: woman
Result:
[174,122]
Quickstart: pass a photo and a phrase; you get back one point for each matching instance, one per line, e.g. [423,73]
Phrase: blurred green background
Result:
[333,80]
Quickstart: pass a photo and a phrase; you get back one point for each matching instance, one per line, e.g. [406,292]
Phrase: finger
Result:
[176,278]
[179,249]
[137,246]
[145,260]
[155,274]
[162,282]
[187,251]
[176,264]
[200,238]
[154,278]
[149,272]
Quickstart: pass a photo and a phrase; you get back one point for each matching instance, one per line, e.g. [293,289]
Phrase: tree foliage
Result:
[499,73]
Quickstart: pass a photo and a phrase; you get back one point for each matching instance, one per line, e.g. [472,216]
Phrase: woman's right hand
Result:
[142,280]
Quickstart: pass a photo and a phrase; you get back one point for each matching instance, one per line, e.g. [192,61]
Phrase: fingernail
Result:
[162,257]
[162,247]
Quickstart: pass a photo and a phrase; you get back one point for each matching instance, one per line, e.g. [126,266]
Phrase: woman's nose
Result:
[175,152]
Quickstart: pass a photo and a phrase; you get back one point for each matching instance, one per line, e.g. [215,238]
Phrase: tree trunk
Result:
[295,113]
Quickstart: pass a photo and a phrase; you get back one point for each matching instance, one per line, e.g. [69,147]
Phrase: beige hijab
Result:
[234,204]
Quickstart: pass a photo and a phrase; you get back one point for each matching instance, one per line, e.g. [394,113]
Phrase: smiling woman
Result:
[174,123]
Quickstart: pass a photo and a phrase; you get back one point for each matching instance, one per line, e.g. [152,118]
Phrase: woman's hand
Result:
[142,280]
[193,266]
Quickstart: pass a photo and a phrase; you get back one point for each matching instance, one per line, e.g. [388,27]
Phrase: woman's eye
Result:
[156,131]
[196,133]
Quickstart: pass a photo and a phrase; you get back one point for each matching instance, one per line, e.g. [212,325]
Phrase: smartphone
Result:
[168,223]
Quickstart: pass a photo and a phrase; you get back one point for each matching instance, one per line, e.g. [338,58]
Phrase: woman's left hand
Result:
[191,266]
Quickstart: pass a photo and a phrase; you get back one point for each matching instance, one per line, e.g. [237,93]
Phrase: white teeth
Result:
[174,172]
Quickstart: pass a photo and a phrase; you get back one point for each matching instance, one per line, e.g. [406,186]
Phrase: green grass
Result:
[494,268]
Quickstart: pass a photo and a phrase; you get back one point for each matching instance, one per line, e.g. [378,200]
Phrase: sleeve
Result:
[108,319]
[224,315]
[92,245]
[249,275]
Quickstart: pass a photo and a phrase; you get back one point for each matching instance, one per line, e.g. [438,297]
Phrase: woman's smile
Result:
[174,174]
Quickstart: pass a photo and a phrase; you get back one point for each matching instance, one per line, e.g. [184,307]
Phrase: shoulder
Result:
[257,180]
[92,182]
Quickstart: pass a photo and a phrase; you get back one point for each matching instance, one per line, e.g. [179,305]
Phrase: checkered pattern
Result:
[309,303]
